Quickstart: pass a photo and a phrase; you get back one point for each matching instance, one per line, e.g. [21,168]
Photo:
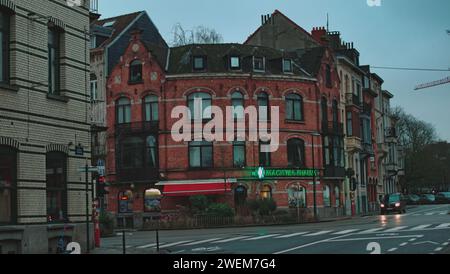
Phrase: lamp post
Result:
[314,174]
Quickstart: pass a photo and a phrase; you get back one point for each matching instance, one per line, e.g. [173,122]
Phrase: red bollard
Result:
[97,233]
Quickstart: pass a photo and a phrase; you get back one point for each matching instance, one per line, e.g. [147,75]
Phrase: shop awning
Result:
[196,187]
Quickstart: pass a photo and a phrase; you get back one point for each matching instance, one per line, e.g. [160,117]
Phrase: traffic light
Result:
[102,186]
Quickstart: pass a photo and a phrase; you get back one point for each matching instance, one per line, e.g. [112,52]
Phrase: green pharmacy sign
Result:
[266,173]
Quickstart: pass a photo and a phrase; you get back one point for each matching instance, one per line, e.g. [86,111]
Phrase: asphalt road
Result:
[422,230]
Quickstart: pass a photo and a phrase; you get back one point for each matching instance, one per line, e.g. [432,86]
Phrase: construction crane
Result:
[434,83]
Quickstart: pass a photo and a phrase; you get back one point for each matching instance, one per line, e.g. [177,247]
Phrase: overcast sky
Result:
[399,33]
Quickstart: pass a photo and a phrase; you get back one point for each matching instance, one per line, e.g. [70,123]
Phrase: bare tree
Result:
[199,35]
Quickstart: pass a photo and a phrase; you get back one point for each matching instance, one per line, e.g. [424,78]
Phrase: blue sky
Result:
[399,33]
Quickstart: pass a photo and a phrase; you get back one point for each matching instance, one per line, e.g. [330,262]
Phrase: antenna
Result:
[328,22]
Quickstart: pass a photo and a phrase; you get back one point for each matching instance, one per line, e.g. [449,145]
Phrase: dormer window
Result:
[235,63]
[259,64]
[287,66]
[199,63]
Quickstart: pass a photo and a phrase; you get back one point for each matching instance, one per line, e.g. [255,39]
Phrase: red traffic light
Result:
[101,180]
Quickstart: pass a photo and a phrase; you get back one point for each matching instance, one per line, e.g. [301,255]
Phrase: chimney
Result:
[320,35]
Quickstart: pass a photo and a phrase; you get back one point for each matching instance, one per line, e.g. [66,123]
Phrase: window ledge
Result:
[302,122]
[9,87]
[135,82]
[60,98]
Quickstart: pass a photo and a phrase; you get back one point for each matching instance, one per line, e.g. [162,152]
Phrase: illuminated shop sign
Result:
[266,173]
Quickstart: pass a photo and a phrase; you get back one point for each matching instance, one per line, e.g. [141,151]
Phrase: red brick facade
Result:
[173,157]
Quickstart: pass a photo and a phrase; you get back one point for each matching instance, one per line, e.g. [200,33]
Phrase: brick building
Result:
[44,125]
[150,82]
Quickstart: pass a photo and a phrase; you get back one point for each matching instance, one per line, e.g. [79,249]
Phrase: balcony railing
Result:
[353,99]
[391,132]
[333,128]
[334,172]
[137,128]
[137,174]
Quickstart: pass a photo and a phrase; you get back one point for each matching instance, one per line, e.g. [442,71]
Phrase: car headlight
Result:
[397,205]
[382,205]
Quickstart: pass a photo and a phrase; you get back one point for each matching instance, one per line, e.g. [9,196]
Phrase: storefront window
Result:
[266,192]
[152,201]
[126,201]
[297,197]
[337,196]
[8,165]
[56,187]
[326,196]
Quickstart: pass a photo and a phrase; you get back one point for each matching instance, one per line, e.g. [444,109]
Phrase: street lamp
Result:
[315,134]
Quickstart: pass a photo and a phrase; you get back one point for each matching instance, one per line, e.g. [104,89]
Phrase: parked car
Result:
[395,202]
[427,199]
[443,198]
[413,199]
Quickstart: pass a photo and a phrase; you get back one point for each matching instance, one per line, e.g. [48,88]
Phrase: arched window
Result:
[240,195]
[329,84]
[237,101]
[136,71]
[263,106]
[123,111]
[125,201]
[266,192]
[152,152]
[324,109]
[326,196]
[200,105]
[337,196]
[131,154]
[151,108]
[56,170]
[294,107]
[152,200]
[297,197]
[335,112]
[8,192]
[296,152]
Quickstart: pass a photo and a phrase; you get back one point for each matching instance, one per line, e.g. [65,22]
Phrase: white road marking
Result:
[429,213]
[262,237]
[291,235]
[395,229]
[445,244]
[392,249]
[230,240]
[174,244]
[438,249]
[148,246]
[412,240]
[403,244]
[306,245]
[420,227]
[345,232]
[319,233]
[201,242]
[375,238]
[370,231]
[443,226]
[443,213]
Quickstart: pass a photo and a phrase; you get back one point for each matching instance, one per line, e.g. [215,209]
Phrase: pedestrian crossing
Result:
[307,234]
[428,214]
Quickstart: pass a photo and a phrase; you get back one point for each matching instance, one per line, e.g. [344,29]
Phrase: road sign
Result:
[101,167]
[89,169]
[79,151]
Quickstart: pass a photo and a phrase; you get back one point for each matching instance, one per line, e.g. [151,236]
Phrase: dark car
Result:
[395,202]
[427,199]
[413,199]
[443,198]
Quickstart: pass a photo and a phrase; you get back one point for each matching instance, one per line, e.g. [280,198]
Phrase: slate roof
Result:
[119,24]
[217,59]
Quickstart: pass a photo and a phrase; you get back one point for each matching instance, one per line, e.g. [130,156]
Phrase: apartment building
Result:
[44,125]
